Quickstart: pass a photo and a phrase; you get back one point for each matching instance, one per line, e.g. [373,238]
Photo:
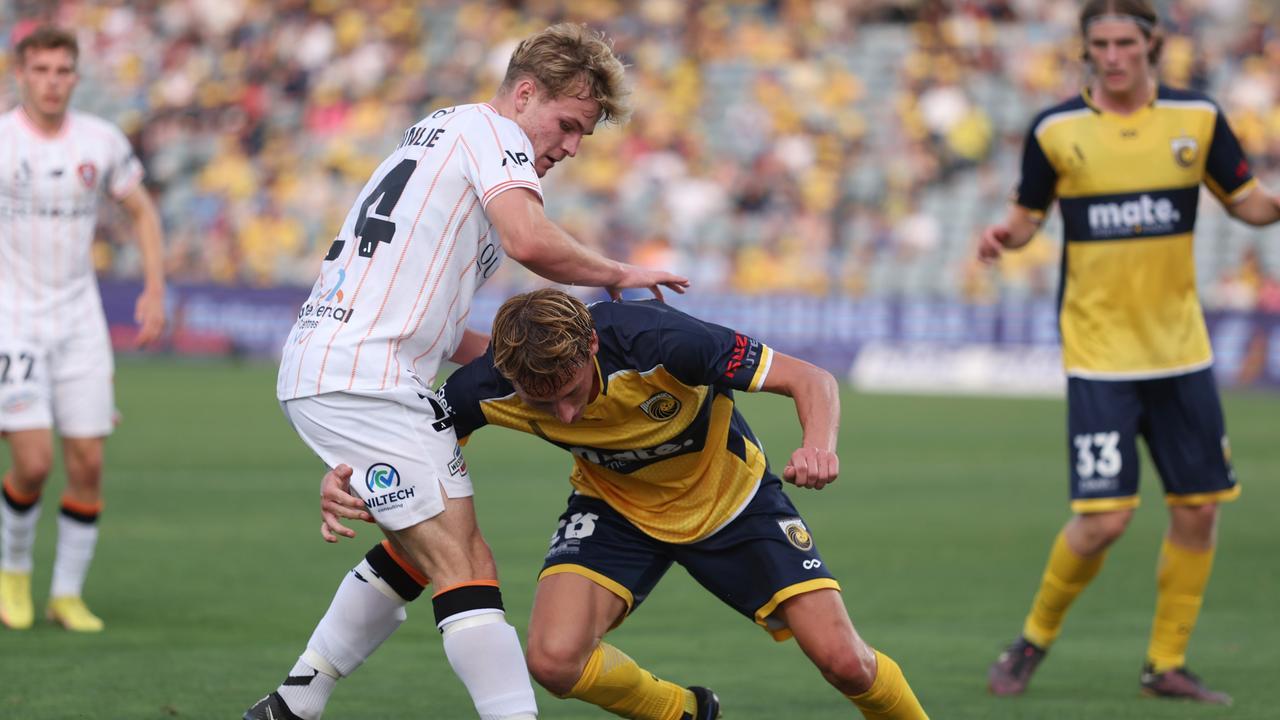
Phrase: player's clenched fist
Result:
[812,468]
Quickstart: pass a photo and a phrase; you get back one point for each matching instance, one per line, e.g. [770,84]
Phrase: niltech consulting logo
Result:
[381,477]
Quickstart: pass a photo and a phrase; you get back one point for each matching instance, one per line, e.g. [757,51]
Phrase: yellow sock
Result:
[1181,577]
[889,697]
[1065,576]
[616,683]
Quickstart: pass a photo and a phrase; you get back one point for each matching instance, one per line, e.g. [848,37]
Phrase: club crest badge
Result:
[797,534]
[1185,150]
[88,173]
[662,406]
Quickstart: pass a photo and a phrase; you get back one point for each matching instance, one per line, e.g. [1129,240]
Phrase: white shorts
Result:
[67,385]
[405,458]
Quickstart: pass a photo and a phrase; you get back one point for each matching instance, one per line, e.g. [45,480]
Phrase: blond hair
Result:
[540,339]
[569,58]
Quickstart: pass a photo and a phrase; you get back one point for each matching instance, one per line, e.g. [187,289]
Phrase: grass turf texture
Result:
[211,573]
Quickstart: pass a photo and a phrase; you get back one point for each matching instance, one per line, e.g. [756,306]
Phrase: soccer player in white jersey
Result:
[55,354]
[461,190]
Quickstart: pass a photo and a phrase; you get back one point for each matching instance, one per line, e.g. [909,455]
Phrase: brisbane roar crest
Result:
[662,406]
[88,173]
[1185,150]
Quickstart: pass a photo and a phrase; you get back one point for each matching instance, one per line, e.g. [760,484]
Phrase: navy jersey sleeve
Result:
[463,392]
[693,351]
[1226,168]
[1039,180]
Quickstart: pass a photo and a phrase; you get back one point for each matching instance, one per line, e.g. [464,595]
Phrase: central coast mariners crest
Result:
[796,533]
[1185,150]
[662,406]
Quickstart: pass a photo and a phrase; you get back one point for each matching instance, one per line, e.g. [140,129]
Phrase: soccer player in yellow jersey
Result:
[665,471]
[1125,161]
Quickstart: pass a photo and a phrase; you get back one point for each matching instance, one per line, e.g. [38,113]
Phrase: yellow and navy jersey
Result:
[662,443]
[1128,188]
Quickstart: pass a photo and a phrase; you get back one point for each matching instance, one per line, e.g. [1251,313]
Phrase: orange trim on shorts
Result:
[472,583]
[17,496]
[405,565]
[82,508]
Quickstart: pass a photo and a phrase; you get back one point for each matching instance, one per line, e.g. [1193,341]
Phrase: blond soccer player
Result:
[460,191]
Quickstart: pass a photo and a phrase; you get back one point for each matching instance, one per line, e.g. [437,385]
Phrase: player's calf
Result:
[484,650]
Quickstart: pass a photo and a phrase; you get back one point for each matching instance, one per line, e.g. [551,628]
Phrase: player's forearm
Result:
[1023,225]
[472,346]
[556,256]
[817,398]
[146,224]
[1258,208]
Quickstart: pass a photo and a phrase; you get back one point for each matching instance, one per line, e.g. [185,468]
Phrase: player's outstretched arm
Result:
[336,502]
[1019,226]
[1260,207]
[817,398]
[531,239]
[149,312]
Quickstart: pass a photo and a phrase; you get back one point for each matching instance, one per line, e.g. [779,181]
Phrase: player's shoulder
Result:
[472,117]
[1072,107]
[81,121]
[477,381]
[1168,97]
[632,316]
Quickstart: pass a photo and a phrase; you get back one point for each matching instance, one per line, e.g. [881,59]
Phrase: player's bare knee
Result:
[850,671]
[84,464]
[30,469]
[1194,522]
[555,662]
[1097,531]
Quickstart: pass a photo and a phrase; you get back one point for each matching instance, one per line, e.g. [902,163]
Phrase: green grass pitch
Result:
[210,572]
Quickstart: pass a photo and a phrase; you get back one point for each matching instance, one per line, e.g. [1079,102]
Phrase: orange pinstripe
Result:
[430,297]
[396,273]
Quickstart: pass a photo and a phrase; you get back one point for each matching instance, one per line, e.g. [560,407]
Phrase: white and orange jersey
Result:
[49,191]
[396,286]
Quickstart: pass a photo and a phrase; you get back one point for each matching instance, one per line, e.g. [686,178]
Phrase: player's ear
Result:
[595,342]
[524,92]
[1156,43]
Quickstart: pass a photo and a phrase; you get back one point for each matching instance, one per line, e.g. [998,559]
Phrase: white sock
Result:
[17,536]
[484,651]
[363,614]
[76,542]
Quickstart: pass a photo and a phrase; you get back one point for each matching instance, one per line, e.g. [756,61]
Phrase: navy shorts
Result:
[1180,418]
[762,558]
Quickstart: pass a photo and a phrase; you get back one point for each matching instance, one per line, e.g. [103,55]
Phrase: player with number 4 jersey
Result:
[1125,161]
[460,191]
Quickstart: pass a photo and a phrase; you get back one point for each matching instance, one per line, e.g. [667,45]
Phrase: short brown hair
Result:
[572,58]
[1141,9]
[46,37]
[540,338]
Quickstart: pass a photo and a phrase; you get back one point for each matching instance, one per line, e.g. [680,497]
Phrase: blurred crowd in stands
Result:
[778,146]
